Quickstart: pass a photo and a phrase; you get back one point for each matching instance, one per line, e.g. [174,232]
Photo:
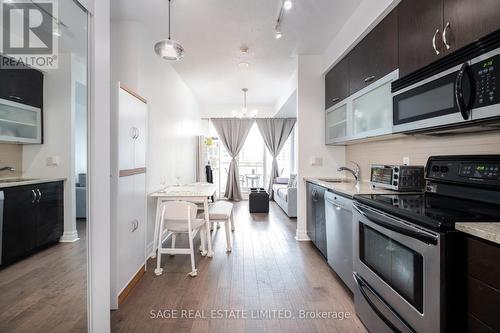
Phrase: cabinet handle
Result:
[34,196]
[369,78]
[16,97]
[445,39]
[39,195]
[135,225]
[132,132]
[335,99]
[434,42]
[137,133]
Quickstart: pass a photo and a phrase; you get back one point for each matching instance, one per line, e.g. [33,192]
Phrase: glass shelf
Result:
[19,123]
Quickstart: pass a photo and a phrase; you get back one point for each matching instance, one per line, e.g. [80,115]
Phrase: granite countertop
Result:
[347,187]
[487,230]
[19,181]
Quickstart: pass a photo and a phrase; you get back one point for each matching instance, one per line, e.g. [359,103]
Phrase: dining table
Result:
[196,193]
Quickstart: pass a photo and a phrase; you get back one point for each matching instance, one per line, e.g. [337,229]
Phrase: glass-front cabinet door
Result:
[372,110]
[20,123]
[336,123]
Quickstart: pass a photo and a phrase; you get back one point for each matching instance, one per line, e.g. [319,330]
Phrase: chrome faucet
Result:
[355,172]
[8,168]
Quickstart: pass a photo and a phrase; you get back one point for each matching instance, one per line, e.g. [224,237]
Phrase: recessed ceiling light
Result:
[244,49]
[287,4]
[243,64]
[278,34]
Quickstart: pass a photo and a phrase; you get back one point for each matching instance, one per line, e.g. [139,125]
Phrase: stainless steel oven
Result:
[463,95]
[397,270]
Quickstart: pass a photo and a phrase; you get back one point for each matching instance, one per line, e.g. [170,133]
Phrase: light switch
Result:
[316,161]
[53,160]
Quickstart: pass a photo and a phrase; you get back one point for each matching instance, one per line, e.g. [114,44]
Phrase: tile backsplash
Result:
[418,148]
[11,155]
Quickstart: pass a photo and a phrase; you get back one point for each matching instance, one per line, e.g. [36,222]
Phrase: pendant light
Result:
[169,49]
[244,111]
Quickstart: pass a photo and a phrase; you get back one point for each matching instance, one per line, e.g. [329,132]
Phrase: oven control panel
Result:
[485,74]
[481,170]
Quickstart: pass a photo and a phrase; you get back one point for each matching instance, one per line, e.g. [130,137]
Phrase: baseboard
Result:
[149,250]
[301,236]
[69,237]
[133,282]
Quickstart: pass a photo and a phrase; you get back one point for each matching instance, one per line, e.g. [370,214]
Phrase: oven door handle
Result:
[362,285]
[463,106]
[413,233]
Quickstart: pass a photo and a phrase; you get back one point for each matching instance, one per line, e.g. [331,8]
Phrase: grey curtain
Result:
[275,131]
[233,133]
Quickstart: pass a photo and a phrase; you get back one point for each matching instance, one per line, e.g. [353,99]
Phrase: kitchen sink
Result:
[333,180]
[16,180]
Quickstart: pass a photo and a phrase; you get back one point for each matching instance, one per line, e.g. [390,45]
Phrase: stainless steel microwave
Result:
[464,95]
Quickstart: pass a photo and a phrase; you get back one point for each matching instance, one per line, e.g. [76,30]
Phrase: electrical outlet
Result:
[406,160]
[316,161]
[53,161]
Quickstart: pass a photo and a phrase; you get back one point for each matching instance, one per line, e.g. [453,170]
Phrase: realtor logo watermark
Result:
[28,37]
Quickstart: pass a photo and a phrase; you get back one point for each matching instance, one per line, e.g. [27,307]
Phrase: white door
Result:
[126,131]
[131,227]
[140,123]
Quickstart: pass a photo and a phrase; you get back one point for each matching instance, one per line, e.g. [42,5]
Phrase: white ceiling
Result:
[212,32]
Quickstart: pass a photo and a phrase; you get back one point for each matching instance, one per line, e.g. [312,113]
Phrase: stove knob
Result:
[396,177]
[435,168]
[395,183]
[444,169]
[396,169]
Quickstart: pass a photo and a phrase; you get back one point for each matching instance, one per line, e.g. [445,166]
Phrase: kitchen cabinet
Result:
[33,217]
[367,114]
[336,123]
[316,223]
[483,285]
[469,20]
[420,22]
[128,189]
[431,29]
[22,86]
[337,83]
[376,55]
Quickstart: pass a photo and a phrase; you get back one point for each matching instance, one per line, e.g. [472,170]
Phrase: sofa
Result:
[81,196]
[285,195]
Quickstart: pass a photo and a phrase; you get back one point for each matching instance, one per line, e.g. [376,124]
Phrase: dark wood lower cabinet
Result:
[33,217]
[316,223]
[483,295]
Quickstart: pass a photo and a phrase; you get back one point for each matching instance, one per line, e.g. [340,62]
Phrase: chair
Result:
[222,211]
[179,217]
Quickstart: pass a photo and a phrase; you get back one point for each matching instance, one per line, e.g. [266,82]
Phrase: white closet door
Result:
[126,131]
[140,122]
[131,227]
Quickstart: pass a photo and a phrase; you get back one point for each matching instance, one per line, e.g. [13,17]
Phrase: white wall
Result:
[311,134]
[173,111]
[58,136]
[366,16]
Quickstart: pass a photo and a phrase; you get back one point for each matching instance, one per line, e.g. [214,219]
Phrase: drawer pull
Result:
[369,78]
[434,42]
[16,97]
[336,99]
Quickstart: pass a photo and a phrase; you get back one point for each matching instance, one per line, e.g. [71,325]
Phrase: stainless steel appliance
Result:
[465,94]
[338,213]
[398,177]
[409,261]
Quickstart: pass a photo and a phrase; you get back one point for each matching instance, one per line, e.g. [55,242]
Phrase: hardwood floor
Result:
[46,292]
[267,270]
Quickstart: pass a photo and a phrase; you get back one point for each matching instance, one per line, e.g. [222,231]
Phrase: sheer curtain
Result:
[275,132]
[233,133]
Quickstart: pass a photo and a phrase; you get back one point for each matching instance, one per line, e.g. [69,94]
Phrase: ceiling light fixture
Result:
[243,64]
[287,4]
[244,111]
[169,49]
[278,34]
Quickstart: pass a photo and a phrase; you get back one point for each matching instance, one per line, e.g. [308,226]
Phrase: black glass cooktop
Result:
[431,210]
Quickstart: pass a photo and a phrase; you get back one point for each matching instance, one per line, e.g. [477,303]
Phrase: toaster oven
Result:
[408,178]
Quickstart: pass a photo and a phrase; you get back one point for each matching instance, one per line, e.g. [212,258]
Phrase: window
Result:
[254,161]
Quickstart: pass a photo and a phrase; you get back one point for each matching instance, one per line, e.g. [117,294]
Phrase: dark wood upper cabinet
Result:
[376,55]
[418,22]
[337,83]
[22,86]
[469,20]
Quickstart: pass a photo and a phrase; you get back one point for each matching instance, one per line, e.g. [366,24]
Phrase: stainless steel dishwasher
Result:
[338,210]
